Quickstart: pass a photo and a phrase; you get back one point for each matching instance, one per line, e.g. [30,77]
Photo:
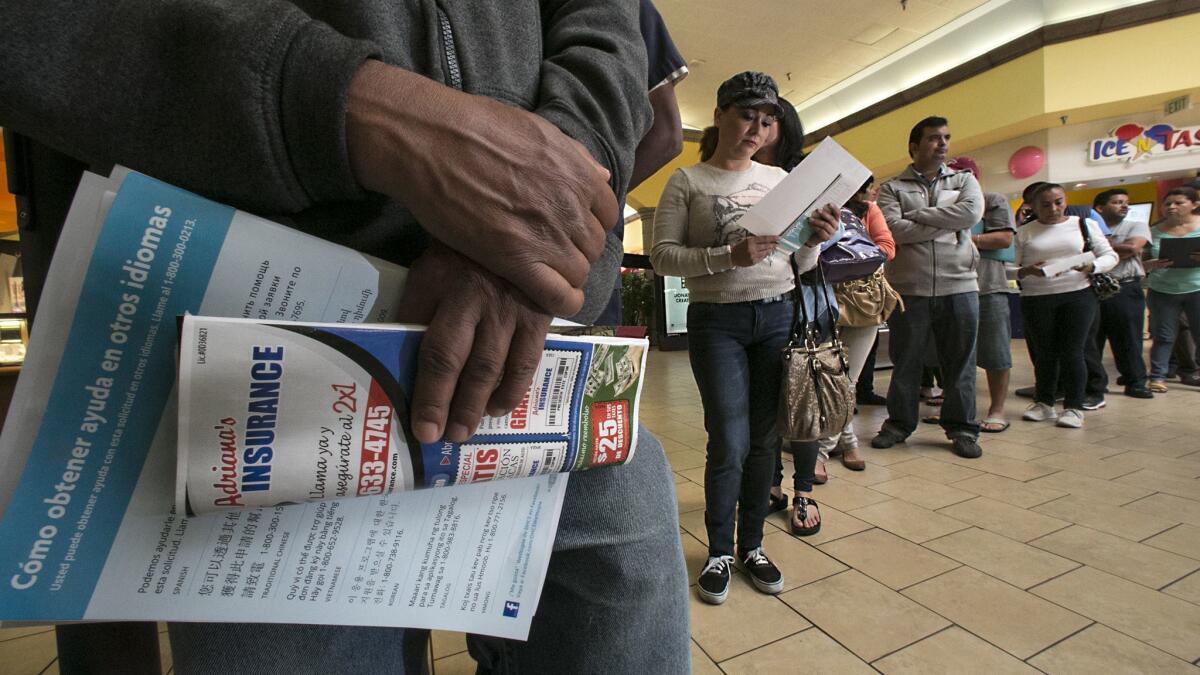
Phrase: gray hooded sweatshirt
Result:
[244,101]
[931,222]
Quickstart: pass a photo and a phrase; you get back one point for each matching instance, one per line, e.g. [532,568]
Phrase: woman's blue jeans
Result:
[735,354]
[1165,309]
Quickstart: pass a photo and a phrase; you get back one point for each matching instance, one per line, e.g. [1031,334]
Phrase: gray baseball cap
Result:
[750,89]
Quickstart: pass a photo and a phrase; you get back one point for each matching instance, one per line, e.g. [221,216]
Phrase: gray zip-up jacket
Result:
[931,226]
[244,101]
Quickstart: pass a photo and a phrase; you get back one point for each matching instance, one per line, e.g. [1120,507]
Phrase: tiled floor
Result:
[1061,551]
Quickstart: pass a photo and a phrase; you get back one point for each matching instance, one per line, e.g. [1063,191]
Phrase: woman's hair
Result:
[1042,189]
[860,208]
[708,143]
[1184,191]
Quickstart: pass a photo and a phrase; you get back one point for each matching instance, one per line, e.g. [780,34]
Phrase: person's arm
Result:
[993,241]
[670,252]
[961,215]
[904,230]
[1106,258]
[877,228]
[593,83]
[998,227]
[664,141]
[1130,248]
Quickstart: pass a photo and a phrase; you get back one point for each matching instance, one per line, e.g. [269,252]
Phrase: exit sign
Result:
[1178,104]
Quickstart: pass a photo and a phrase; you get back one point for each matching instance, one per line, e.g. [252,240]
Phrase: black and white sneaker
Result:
[713,584]
[766,576]
[1094,402]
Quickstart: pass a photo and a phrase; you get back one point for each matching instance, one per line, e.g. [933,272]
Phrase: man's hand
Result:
[1086,269]
[752,250]
[824,223]
[500,185]
[1157,264]
[484,343]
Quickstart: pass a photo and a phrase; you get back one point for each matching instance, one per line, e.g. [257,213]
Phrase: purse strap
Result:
[801,324]
[1083,232]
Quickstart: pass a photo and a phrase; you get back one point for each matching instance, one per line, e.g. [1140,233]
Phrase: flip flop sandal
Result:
[995,422]
[777,503]
[802,505]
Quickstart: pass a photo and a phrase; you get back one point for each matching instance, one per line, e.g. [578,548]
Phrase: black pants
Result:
[1096,378]
[866,379]
[804,465]
[1060,325]
[1122,324]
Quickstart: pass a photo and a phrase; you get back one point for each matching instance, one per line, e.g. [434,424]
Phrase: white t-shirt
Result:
[1039,242]
[1129,268]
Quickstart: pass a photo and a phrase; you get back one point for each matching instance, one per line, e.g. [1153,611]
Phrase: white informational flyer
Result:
[88,528]
[1057,266]
[828,175]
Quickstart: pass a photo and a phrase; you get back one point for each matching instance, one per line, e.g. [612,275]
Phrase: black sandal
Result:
[777,503]
[801,504]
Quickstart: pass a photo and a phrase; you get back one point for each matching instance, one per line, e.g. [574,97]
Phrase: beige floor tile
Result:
[1086,464]
[1143,564]
[695,554]
[937,471]
[459,664]
[800,563]
[447,643]
[1097,450]
[701,664]
[746,621]
[1004,446]
[846,496]
[1109,492]
[923,493]
[812,648]
[28,655]
[7,634]
[862,614]
[1100,649]
[873,474]
[888,456]
[1188,488]
[693,523]
[888,559]
[1009,491]
[951,652]
[1117,520]
[1184,468]
[695,475]
[690,496]
[909,521]
[835,524]
[1014,620]
[678,478]
[1004,519]
[1162,621]
[1169,507]
[1183,539]
[1004,466]
[1187,588]
[682,460]
[1019,564]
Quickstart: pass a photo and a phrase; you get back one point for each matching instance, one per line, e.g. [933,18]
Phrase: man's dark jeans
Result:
[734,350]
[1122,323]
[954,322]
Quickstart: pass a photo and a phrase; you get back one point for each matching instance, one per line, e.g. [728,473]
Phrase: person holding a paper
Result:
[930,210]
[1174,288]
[738,322]
[1058,304]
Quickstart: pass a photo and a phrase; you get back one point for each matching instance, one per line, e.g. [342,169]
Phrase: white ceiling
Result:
[806,45]
[832,58]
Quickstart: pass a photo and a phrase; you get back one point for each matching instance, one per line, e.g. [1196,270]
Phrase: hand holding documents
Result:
[829,175]
[1057,266]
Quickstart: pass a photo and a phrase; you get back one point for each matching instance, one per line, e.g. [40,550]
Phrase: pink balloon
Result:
[1026,162]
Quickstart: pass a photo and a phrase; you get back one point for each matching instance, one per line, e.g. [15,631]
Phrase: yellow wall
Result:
[1140,192]
[647,194]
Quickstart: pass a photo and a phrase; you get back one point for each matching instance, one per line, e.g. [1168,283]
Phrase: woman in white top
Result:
[739,319]
[1058,309]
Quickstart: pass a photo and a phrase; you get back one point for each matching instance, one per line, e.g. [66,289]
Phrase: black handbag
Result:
[854,256]
[1104,284]
[816,399]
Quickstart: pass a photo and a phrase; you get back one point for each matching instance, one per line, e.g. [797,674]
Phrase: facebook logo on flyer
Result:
[510,608]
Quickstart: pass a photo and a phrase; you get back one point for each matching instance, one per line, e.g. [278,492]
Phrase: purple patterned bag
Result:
[854,256]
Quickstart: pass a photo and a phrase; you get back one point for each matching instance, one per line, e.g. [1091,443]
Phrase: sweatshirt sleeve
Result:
[961,215]
[243,101]
[1106,257]
[594,79]
[670,253]
[903,230]
[877,227]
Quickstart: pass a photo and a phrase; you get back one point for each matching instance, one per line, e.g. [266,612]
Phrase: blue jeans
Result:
[734,350]
[953,322]
[1164,325]
[615,599]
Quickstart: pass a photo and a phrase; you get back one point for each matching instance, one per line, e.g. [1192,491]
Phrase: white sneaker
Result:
[1071,418]
[1039,412]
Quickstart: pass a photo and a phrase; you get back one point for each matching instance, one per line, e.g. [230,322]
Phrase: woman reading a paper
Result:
[1174,278]
[740,315]
[1054,256]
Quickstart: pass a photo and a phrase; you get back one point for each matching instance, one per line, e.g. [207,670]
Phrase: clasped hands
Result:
[519,210]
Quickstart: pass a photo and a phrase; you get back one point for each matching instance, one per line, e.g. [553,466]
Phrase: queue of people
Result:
[949,252]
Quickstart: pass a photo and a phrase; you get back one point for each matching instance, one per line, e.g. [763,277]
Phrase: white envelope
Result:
[947,197]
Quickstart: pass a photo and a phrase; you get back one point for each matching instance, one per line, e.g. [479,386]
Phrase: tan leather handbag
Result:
[816,399]
[866,302]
